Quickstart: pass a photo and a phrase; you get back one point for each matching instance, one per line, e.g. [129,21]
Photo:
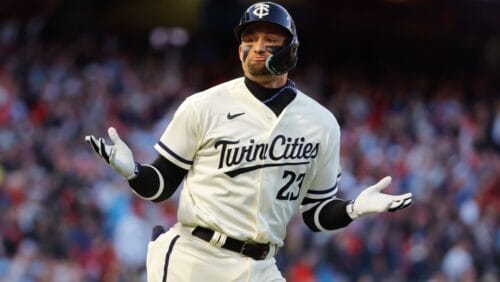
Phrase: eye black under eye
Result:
[272,49]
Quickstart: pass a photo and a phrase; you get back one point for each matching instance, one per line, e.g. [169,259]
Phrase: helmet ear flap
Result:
[283,60]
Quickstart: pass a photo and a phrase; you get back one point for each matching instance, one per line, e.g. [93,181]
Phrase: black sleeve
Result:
[332,215]
[157,181]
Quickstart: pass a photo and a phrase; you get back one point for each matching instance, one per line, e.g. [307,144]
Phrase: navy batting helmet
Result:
[285,58]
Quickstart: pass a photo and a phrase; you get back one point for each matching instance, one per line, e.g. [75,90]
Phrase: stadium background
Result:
[414,83]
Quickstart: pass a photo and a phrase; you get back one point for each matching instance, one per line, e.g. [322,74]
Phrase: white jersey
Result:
[248,170]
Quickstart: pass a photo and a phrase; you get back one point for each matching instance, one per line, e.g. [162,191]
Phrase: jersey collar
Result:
[280,102]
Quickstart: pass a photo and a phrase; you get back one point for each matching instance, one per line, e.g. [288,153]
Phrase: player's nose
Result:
[259,46]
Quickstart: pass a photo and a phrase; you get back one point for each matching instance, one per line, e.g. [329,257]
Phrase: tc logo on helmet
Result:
[261,10]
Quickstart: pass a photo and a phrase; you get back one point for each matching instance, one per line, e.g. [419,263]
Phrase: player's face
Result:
[258,41]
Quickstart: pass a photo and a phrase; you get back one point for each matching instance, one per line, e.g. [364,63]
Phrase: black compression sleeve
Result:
[332,216]
[147,183]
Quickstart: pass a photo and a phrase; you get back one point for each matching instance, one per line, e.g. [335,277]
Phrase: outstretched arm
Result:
[155,182]
[333,213]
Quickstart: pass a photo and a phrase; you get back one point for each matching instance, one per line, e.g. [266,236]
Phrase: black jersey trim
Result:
[320,192]
[177,157]
[235,172]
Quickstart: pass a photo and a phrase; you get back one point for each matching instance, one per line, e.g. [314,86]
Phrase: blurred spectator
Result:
[457,263]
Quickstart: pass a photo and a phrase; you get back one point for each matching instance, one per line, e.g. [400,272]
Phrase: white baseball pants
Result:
[178,256]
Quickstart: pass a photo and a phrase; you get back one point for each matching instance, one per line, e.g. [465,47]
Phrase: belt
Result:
[254,250]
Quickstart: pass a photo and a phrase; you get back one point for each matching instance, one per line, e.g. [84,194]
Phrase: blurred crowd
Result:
[65,216]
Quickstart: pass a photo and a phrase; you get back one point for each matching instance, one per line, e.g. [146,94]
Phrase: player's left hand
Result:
[371,200]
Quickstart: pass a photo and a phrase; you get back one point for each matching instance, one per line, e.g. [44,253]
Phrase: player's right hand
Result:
[118,156]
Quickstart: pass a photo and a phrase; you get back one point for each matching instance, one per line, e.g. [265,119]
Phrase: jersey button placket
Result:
[264,177]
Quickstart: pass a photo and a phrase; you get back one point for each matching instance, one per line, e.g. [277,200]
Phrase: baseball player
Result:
[251,153]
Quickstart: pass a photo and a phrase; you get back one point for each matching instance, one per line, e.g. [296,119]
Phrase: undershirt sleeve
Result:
[328,215]
[157,181]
